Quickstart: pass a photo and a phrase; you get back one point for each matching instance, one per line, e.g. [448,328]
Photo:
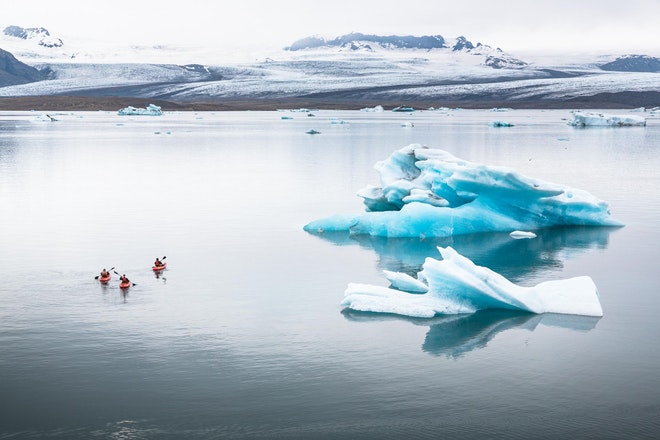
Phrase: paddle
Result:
[97,276]
[120,275]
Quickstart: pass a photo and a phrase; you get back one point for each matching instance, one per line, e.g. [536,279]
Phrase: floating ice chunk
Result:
[500,124]
[585,119]
[431,193]
[377,109]
[312,131]
[456,285]
[150,110]
[522,234]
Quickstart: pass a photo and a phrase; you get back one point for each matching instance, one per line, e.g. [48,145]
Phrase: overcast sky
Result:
[610,26]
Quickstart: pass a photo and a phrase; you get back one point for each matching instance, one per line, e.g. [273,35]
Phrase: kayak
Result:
[123,285]
[104,280]
[159,268]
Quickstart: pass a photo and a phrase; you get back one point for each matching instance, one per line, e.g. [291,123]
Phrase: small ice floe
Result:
[585,119]
[150,110]
[376,109]
[500,124]
[522,234]
[408,124]
[312,131]
[403,108]
[49,118]
[286,117]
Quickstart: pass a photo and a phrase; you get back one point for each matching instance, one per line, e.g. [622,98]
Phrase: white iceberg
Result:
[430,193]
[456,285]
[150,110]
[377,109]
[522,234]
[586,119]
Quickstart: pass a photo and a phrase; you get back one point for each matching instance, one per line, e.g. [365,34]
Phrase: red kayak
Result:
[104,280]
[123,285]
[159,268]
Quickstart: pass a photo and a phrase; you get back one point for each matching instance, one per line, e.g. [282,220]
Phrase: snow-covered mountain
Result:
[350,68]
[14,72]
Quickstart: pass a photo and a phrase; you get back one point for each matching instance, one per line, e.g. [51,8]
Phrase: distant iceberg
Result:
[455,285]
[377,109]
[431,193]
[500,124]
[151,110]
[522,234]
[586,119]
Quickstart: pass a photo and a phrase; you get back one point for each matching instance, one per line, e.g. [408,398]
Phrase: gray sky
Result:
[606,26]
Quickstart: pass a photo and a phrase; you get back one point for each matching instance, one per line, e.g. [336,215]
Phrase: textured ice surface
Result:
[456,285]
[430,193]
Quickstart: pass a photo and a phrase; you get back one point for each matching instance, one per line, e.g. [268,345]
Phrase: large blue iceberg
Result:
[455,285]
[431,193]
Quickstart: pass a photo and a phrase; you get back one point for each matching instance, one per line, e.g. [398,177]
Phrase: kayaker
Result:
[158,263]
[124,280]
[105,273]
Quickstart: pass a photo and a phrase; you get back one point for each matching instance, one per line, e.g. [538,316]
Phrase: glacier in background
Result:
[431,193]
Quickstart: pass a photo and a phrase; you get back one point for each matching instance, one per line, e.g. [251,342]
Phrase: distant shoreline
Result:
[620,100]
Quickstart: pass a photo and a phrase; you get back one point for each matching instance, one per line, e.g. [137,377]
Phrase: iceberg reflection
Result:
[514,259]
[454,336]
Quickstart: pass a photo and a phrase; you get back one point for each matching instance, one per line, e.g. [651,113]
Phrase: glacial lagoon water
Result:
[243,336]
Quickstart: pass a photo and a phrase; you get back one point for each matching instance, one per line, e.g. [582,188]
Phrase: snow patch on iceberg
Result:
[431,193]
[456,285]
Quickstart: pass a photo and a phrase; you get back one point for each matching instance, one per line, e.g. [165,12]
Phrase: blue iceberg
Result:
[150,110]
[455,285]
[431,193]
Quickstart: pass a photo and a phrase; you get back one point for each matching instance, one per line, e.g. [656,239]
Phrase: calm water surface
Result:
[243,335]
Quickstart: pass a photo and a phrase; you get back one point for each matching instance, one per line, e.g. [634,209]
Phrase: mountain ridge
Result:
[352,68]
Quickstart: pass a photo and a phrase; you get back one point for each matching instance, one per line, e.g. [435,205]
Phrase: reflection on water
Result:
[514,259]
[455,335]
